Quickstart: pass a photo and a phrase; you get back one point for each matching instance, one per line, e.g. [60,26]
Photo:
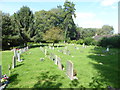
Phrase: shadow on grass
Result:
[19,65]
[107,65]
[13,79]
[47,81]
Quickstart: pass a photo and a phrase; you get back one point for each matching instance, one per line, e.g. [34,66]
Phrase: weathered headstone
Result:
[15,52]
[13,62]
[0,73]
[56,61]
[59,64]
[45,52]
[19,60]
[69,69]
[83,45]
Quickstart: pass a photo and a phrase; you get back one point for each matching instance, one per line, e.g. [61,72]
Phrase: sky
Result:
[90,13]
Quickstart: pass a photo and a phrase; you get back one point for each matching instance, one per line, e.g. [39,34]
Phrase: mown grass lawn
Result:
[92,70]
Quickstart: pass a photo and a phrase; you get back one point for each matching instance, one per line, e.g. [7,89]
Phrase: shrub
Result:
[89,41]
[110,42]
[80,41]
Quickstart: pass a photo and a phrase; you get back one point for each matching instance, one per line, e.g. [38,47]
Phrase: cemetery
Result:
[66,44]
[44,67]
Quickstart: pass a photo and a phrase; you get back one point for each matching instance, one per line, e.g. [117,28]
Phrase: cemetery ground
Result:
[94,67]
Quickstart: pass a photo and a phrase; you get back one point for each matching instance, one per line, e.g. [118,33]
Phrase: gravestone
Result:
[19,60]
[15,52]
[83,45]
[56,61]
[0,73]
[59,64]
[27,47]
[69,69]
[13,62]
[45,52]
[107,49]
[9,69]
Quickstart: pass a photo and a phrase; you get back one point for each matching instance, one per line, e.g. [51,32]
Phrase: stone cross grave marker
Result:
[69,69]
[13,62]
[59,64]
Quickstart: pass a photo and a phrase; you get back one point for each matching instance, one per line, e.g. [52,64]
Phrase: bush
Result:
[80,41]
[73,41]
[89,41]
[110,42]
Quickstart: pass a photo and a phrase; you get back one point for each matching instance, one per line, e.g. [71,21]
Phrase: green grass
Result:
[32,73]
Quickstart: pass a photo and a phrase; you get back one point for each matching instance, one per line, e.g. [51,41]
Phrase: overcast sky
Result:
[90,13]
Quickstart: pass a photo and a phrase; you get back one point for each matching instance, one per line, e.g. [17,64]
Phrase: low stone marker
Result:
[13,62]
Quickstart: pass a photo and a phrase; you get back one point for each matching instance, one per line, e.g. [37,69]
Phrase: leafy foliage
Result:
[110,42]
[54,34]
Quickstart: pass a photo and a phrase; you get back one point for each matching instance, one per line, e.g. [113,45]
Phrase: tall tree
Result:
[69,25]
[6,30]
[24,20]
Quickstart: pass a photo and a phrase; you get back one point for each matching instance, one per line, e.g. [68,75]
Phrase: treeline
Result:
[24,26]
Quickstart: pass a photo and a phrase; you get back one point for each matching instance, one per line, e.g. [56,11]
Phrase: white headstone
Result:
[83,45]
[107,49]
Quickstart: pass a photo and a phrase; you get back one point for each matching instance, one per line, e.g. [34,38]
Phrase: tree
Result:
[54,34]
[24,21]
[69,25]
[107,29]
[6,30]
